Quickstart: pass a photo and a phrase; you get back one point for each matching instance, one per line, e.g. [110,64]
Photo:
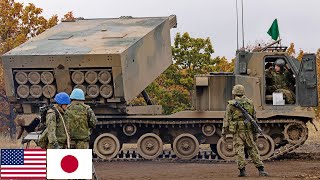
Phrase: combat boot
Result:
[242,172]
[262,172]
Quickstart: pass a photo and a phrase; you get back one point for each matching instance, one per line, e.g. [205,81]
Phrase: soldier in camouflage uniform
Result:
[243,134]
[280,79]
[56,130]
[81,119]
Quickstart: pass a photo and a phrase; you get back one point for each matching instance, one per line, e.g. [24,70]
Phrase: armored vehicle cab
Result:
[283,123]
[250,71]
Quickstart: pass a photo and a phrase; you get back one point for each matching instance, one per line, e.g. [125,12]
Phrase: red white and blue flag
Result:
[23,164]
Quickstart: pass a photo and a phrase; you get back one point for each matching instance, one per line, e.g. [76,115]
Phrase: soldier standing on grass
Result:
[243,133]
[81,119]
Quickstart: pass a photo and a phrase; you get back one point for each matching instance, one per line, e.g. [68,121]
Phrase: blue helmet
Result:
[62,98]
[77,94]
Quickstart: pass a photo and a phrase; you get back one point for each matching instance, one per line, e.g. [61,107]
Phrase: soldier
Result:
[81,120]
[280,79]
[56,130]
[243,134]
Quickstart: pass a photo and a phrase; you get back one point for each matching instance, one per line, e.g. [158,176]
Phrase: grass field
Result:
[7,142]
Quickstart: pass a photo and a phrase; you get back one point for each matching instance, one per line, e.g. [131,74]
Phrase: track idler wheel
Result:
[208,129]
[129,129]
[106,146]
[295,132]
[265,146]
[149,146]
[186,146]
[225,149]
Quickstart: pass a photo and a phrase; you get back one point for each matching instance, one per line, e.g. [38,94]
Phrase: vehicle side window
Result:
[280,82]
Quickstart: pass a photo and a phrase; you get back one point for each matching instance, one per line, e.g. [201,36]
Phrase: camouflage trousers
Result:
[241,140]
[79,144]
[51,146]
[289,96]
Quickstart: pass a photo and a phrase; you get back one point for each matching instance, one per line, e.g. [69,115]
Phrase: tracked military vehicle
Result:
[114,60]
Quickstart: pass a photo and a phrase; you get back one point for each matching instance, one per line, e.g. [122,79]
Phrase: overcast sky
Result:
[299,20]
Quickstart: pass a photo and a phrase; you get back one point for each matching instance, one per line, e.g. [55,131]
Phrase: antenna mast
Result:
[242,25]
[237,14]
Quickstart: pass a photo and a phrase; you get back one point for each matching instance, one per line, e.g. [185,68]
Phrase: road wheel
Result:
[106,146]
[265,146]
[186,146]
[150,146]
[225,149]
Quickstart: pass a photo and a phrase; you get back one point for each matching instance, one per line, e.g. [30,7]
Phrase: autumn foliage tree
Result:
[173,89]
[18,23]
[68,17]
[292,52]
[223,65]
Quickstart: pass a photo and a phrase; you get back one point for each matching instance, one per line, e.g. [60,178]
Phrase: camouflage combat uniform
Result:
[243,135]
[81,119]
[282,82]
[55,129]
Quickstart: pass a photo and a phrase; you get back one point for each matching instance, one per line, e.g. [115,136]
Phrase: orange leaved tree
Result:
[18,23]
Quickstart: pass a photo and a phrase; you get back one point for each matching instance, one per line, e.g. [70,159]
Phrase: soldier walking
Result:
[243,133]
[81,119]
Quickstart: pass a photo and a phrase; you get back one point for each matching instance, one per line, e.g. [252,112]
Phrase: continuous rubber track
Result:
[204,155]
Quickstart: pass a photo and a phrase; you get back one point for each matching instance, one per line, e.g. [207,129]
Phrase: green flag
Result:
[274,30]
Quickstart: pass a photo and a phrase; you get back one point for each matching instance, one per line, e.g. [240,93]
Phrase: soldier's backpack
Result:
[77,115]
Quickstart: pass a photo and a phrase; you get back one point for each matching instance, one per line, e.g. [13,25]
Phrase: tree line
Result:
[18,23]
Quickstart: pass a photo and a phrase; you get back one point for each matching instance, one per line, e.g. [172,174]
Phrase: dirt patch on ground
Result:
[305,152]
[304,163]
[288,169]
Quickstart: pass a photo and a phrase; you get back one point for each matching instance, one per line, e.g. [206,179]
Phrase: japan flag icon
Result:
[69,164]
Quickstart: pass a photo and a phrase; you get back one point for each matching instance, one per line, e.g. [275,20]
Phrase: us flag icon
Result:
[69,163]
[23,164]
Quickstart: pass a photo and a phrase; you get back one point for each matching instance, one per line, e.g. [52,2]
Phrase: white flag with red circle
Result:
[69,164]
